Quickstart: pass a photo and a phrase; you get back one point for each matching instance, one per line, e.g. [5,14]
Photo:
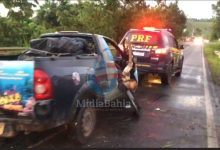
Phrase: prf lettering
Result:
[140,38]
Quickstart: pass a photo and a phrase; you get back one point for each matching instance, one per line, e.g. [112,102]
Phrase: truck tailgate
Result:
[16,87]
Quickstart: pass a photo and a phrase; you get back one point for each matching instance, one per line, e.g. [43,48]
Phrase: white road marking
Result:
[212,139]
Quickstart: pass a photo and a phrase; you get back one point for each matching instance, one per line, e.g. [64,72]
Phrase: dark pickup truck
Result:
[73,75]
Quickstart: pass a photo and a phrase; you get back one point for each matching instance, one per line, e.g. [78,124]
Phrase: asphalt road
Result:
[183,115]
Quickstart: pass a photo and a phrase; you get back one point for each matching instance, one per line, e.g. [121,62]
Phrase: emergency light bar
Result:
[70,32]
[170,30]
[155,29]
[149,28]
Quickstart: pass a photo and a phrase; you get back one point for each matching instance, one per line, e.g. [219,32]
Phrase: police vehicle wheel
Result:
[178,74]
[167,78]
[85,124]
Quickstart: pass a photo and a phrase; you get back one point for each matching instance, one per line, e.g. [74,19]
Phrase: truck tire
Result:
[167,77]
[81,126]
[85,124]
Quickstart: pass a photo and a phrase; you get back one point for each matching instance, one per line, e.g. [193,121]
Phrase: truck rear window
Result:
[73,45]
[145,37]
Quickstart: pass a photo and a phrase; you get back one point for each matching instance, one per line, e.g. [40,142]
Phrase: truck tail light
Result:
[161,51]
[42,85]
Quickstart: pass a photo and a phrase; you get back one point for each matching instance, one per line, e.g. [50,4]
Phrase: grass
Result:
[213,60]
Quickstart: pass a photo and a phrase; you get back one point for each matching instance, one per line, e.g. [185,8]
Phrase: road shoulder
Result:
[211,106]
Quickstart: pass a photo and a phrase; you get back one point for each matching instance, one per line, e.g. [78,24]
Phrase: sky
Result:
[192,8]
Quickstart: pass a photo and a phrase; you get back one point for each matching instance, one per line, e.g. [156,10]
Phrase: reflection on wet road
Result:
[170,116]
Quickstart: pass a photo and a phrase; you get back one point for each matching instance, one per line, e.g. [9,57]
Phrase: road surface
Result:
[183,115]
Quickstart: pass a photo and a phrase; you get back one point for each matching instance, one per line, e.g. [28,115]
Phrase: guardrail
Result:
[217,53]
[6,51]
[11,53]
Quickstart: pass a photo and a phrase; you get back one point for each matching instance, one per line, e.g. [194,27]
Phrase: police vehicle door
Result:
[175,51]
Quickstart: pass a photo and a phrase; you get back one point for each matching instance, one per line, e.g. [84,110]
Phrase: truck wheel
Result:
[167,77]
[85,124]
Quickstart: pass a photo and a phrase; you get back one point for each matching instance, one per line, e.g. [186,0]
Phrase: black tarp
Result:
[73,45]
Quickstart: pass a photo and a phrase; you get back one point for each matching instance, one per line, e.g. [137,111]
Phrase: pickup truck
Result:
[71,76]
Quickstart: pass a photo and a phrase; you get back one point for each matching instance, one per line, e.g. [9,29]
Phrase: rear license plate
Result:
[142,65]
[2,127]
[138,53]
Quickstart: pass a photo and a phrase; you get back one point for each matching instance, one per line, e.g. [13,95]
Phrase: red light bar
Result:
[149,28]
[156,29]
[170,30]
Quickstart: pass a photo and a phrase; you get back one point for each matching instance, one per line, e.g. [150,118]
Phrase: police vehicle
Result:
[155,51]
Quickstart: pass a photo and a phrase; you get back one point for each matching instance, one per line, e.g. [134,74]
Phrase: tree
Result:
[161,16]
[216,23]
[25,8]
[198,32]
[108,17]
[46,15]
[15,28]
[159,2]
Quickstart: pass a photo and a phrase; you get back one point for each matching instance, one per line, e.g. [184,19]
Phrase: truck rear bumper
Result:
[10,126]
[13,126]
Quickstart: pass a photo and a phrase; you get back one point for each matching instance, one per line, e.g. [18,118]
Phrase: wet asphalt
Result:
[170,116]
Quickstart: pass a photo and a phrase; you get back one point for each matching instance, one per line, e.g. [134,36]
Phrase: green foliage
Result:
[161,16]
[198,32]
[213,60]
[17,28]
[216,22]
[16,33]
[107,17]
[195,25]
[25,8]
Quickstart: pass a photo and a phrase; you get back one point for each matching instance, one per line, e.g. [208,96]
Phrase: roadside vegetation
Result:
[107,17]
[213,60]
[199,27]
[212,47]
[215,34]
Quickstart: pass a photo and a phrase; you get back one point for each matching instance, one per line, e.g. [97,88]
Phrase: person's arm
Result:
[128,68]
